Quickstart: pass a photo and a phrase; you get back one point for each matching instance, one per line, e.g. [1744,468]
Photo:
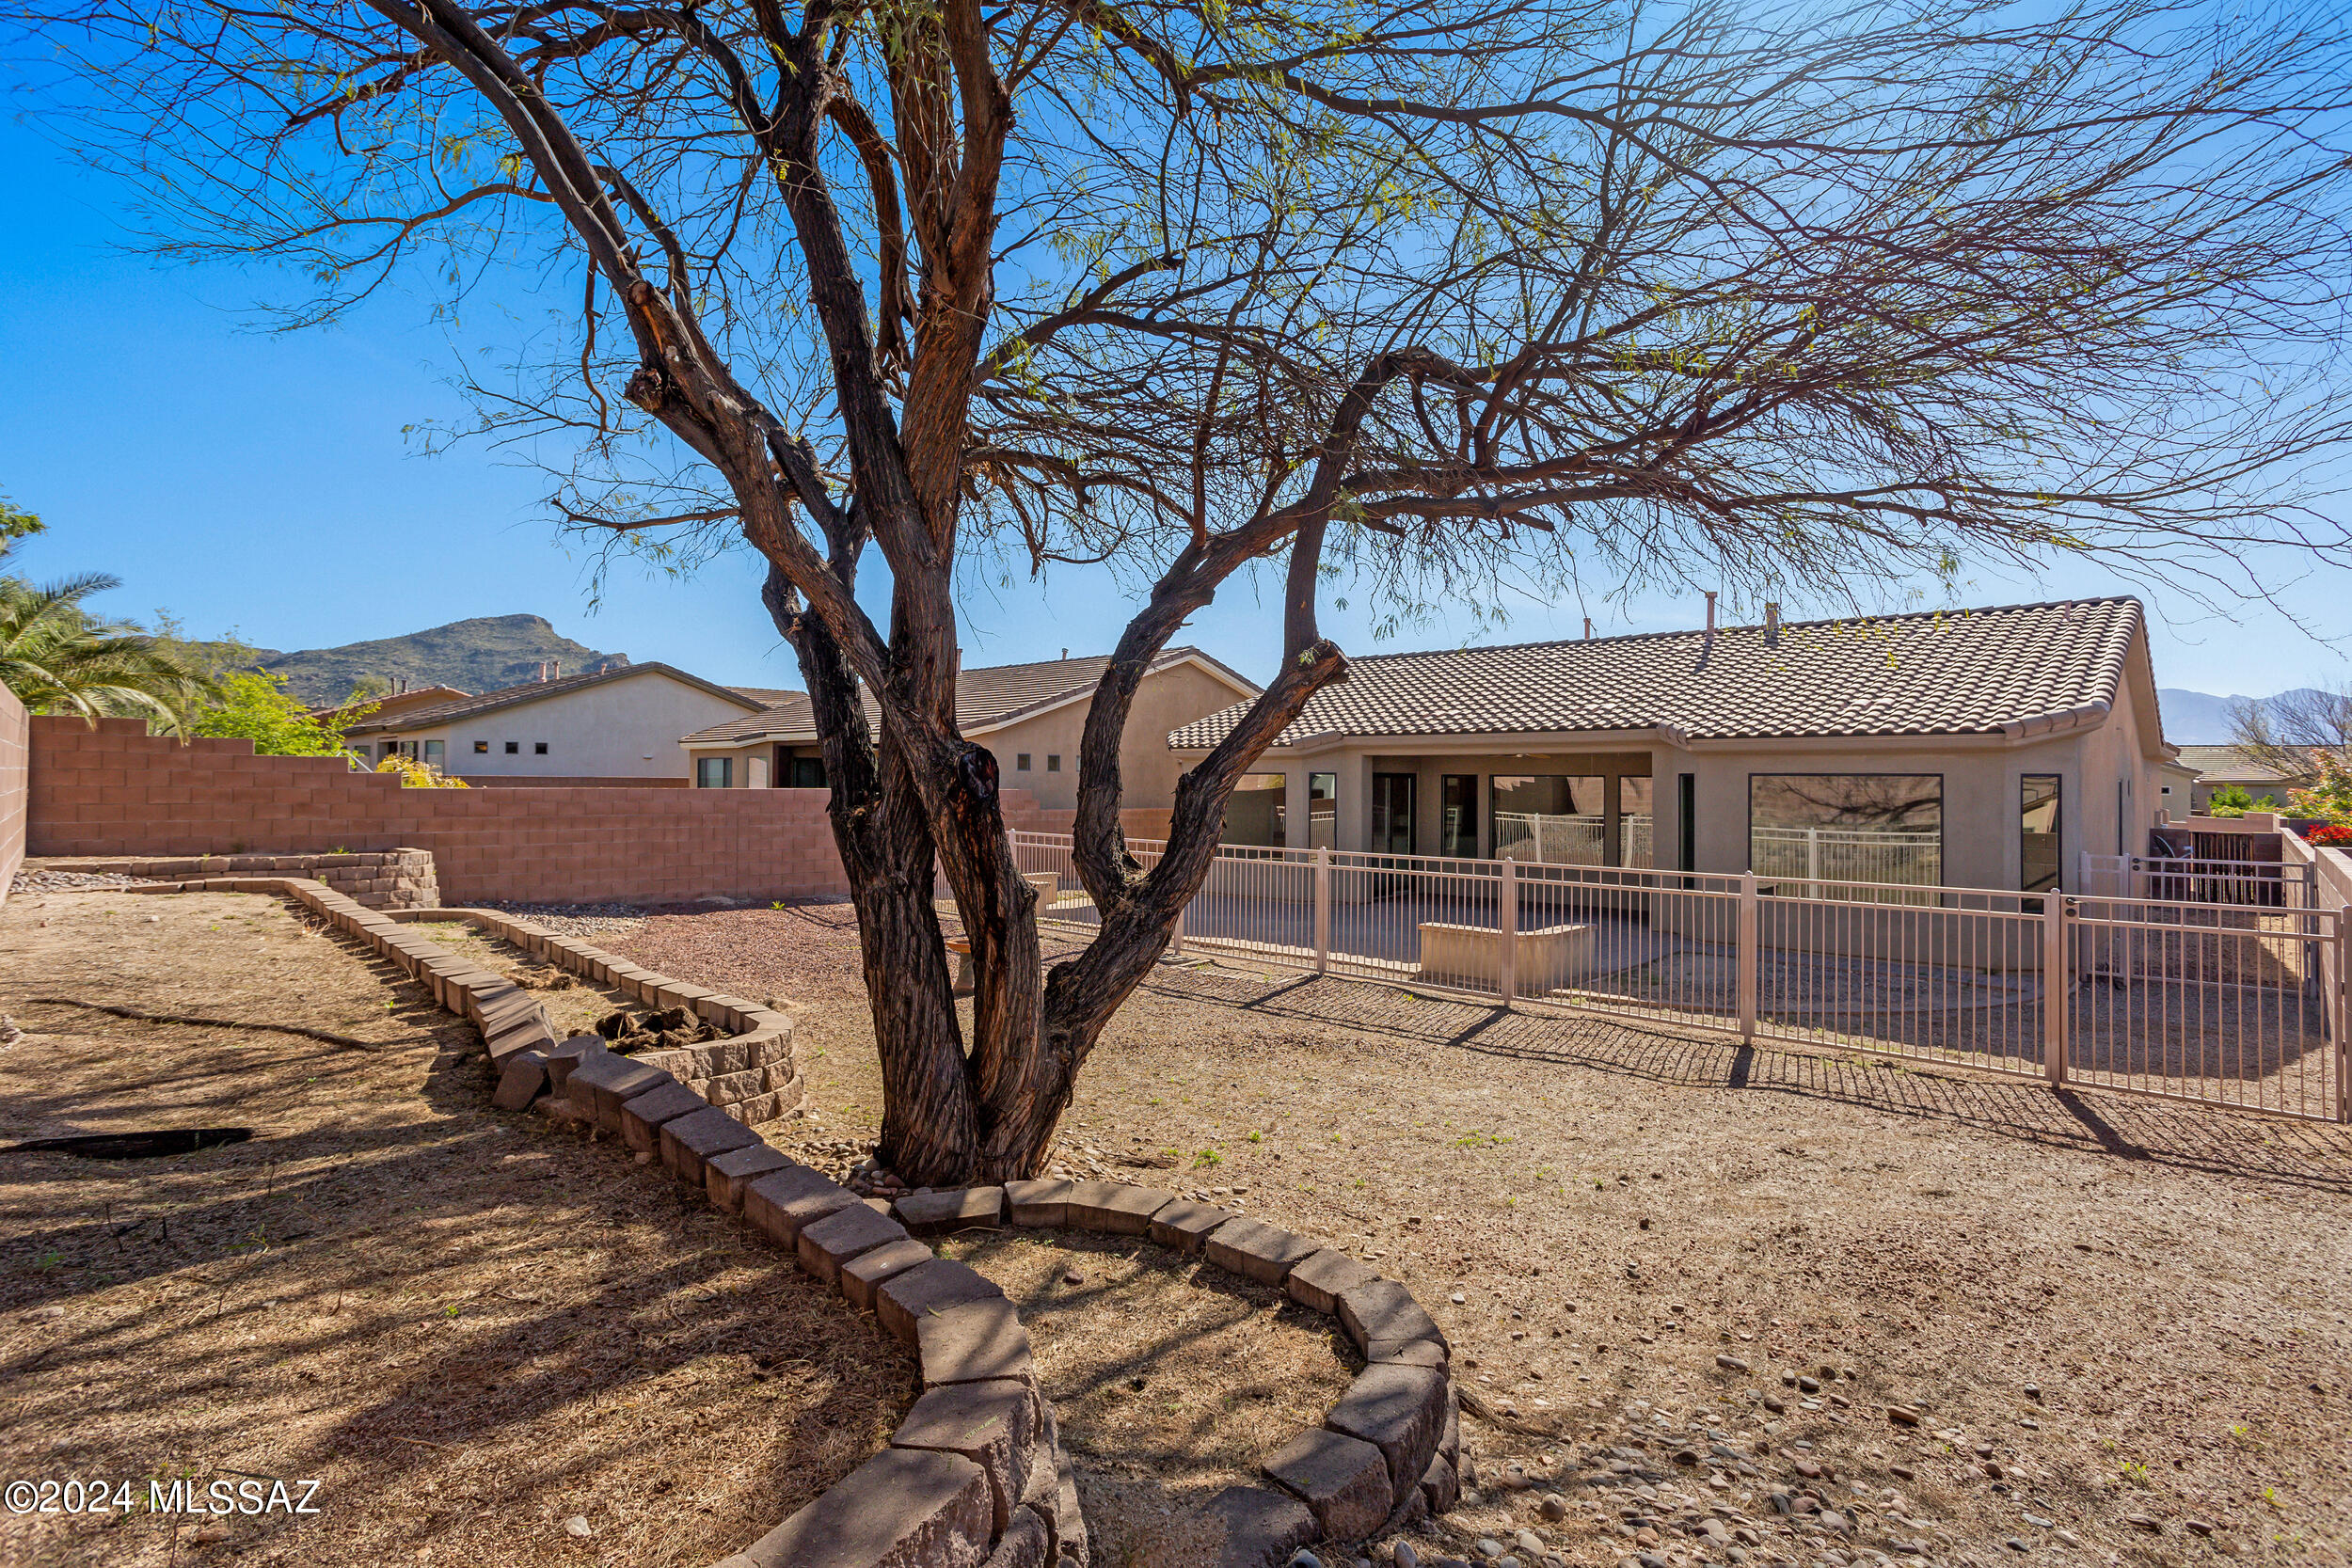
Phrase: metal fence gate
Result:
[2238,1001]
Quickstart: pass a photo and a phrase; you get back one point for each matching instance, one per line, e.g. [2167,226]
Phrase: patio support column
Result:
[1611,821]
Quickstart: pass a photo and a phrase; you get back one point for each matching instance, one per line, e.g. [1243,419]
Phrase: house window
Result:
[1809,829]
[1053,762]
[1394,798]
[808,772]
[1021,762]
[2038,832]
[1323,811]
[1556,818]
[539,748]
[435,753]
[1686,821]
[513,748]
[714,772]
[481,748]
[1457,814]
[1254,813]
[1636,813]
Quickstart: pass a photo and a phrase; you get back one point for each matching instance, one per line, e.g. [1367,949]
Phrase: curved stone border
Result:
[976,1475]
[1387,1454]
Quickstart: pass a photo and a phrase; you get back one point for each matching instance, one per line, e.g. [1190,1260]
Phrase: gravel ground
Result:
[71,881]
[585,921]
[2123,1322]
[472,1327]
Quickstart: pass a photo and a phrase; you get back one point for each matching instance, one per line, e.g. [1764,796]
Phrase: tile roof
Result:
[533,692]
[1959,671]
[985,698]
[2227,762]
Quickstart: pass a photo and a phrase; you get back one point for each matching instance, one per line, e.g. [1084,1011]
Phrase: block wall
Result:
[13,786]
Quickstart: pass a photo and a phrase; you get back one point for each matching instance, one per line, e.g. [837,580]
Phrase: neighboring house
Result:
[2221,767]
[2176,784]
[1979,747]
[1029,716]
[619,724]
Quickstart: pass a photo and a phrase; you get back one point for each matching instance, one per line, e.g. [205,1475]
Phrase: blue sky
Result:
[262,481]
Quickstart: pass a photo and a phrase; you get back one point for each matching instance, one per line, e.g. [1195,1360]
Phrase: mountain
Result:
[480,654]
[2200,718]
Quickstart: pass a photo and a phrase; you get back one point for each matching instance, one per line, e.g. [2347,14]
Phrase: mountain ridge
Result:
[477,654]
[2201,719]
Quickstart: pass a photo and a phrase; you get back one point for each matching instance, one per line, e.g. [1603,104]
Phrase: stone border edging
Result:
[976,1475]
[378,879]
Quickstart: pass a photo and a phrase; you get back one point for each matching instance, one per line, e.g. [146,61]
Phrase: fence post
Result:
[1748,946]
[2056,990]
[1323,910]
[1507,925]
[2340,1009]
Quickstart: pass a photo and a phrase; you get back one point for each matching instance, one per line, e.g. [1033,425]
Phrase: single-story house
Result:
[617,724]
[1976,748]
[1029,716]
[2225,767]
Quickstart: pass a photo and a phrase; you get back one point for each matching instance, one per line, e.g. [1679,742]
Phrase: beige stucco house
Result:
[617,724]
[1977,748]
[2215,768]
[1029,716]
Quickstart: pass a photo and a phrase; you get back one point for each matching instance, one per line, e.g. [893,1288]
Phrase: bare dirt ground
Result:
[470,1327]
[2136,1311]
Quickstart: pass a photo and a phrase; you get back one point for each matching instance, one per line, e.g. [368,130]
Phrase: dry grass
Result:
[469,1326]
[1616,1206]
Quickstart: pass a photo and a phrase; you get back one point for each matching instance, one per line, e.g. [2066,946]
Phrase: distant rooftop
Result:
[986,698]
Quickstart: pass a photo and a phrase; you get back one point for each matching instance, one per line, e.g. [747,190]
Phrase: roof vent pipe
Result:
[1065,654]
[1710,612]
[1771,625]
[1588,628]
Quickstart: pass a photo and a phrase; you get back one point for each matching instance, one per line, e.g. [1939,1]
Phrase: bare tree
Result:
[1444,293]
[2296,733]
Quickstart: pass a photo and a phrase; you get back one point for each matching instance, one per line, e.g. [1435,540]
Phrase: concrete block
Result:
[1342,1481]
[994,1425]
[928,1290]
[1184,1225]
[785,1202]
[725,1176]
[1244,1526]
[862,1277]
[643,1117]
[1040,1203]
[1382,1311]
[1265,1253]
[523,1080]
[828,1243]
[600,1085]
[569,1053]
[904,1507]
[1026,1542]
[1318,1279]
[1399,1410]
[956,1208]
[1115,1207]
[971,1342]
[690,1143]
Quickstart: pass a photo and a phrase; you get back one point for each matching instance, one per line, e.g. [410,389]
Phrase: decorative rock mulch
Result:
[976,1475]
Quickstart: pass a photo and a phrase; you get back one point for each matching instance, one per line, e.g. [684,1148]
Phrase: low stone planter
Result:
[1470,956]
[373,878]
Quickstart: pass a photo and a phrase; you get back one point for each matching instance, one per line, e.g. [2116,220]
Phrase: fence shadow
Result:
[2211,1138]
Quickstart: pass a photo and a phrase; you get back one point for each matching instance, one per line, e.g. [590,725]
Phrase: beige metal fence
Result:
[2231,1004]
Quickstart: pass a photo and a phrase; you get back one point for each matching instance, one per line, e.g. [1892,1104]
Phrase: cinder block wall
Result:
[13,786]
[116,791]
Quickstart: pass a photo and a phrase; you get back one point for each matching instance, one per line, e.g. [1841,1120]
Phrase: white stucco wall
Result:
[626,728]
